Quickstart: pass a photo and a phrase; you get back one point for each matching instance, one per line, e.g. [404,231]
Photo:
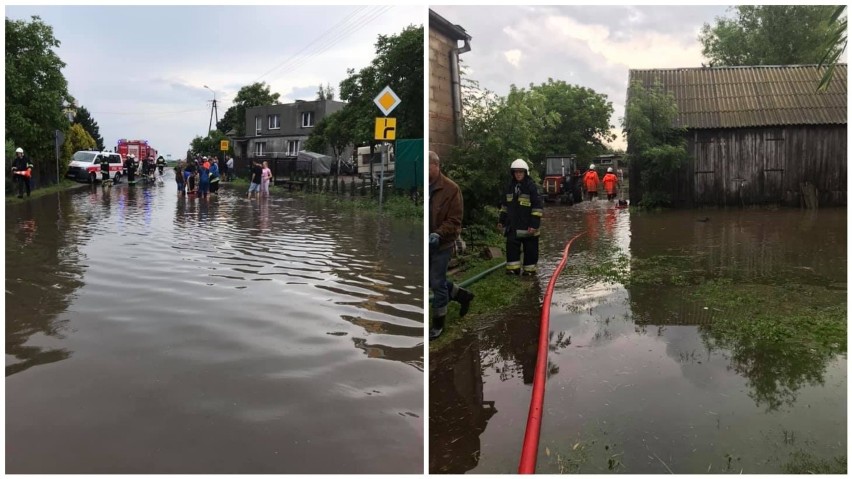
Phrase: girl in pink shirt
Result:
[264,179]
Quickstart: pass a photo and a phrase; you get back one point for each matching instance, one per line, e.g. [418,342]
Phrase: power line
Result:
[342,35]
[318,38]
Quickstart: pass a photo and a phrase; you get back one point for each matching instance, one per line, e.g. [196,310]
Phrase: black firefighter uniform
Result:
[521,209]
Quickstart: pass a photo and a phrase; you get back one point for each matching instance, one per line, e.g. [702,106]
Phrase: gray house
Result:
[280,131]
[755,135]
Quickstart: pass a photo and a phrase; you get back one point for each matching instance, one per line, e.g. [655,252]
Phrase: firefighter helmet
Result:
[19,150]
[131,156]
[592,166]
[520,164]
[609,170]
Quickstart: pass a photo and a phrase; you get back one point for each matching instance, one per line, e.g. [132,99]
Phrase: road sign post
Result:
[385,130]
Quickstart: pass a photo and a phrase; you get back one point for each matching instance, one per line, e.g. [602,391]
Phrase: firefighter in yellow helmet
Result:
[520,219]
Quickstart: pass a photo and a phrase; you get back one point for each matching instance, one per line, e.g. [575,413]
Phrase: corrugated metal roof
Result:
[737,97]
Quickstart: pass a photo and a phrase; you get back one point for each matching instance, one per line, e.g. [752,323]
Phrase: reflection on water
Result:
[219,336]
[673,347]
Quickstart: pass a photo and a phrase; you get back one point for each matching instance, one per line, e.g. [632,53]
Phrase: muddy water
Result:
[147,333]
[638,380]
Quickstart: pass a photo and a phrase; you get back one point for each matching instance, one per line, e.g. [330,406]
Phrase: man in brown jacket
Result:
[445,217]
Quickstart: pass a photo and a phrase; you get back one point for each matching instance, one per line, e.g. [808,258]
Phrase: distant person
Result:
[21,172]
[256,175]
[591,181]
[191,177]
[104,170]
[266,175]
[446,208]
[610,182]
[161,164]
[520,219]
[180,180]
[130,166]
[204,179]
[229,168]
[214,176]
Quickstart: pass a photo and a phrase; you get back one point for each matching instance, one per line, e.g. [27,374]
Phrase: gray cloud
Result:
[588,46]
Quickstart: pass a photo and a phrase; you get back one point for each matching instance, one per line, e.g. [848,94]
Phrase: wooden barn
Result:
[755,135]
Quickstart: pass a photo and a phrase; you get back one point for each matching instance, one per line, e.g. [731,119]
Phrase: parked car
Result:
[86,166]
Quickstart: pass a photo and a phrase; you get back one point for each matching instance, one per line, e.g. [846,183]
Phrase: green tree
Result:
[654,145]
[769,35]
[835,47]
[84,119]
[209,145]
[330,133]
[399,64]
[497,131]
[256,94]
[76,139]
[577,121]
[35,92]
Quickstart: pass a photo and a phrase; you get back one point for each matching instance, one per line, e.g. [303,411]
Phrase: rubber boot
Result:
[464,297]
[437,327]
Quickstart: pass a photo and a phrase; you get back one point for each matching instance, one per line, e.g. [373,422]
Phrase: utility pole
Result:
[212,110]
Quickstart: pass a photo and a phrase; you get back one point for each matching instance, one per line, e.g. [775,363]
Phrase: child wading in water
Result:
[265,177]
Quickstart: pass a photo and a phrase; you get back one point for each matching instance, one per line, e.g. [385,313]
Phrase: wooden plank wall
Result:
[740,167]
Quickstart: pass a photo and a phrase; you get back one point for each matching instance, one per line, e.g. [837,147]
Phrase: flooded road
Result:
[685,342]
[147,333]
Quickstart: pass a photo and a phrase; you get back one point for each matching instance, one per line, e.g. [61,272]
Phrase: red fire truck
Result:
[139,148]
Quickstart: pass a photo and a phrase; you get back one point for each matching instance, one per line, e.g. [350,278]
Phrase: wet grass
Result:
[395,205]
[804,463]
[495,293]
[780,336]
[12,199]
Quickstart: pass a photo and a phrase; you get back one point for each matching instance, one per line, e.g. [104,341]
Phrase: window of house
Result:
[258,125]
[274,122]
[292,147]
[307,119]
[260,148]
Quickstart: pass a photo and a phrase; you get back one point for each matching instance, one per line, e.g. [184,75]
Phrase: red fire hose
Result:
[529,453]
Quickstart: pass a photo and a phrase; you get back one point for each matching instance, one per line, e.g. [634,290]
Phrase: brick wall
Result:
[442,136]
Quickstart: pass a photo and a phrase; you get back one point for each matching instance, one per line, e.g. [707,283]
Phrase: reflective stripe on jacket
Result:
[521,206]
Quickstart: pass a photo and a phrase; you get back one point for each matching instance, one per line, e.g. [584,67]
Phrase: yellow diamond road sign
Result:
[223,145]
[385,129]
[387,100]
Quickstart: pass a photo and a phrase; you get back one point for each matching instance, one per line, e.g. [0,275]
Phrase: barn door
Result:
[705,172]
[772,190]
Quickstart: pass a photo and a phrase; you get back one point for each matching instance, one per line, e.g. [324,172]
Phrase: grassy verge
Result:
[395,205]
[495,293]
[63,185]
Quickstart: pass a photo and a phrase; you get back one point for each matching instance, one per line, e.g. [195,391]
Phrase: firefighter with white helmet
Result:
[610,182]
[21,171]
[520,219]
[591,181]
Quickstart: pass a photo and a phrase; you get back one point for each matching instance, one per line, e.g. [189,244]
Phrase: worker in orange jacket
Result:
[591,181]
[610,182]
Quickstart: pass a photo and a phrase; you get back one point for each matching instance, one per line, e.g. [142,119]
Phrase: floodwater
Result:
[147,333]
[639,379]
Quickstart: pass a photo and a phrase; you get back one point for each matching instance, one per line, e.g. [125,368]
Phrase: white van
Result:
[86,166]
[365,159]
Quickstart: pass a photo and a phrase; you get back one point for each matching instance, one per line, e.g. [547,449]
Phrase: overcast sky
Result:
[590,46]
[140,70]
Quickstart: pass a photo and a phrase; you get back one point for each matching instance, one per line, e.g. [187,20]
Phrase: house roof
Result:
[752,96]
[456,32]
